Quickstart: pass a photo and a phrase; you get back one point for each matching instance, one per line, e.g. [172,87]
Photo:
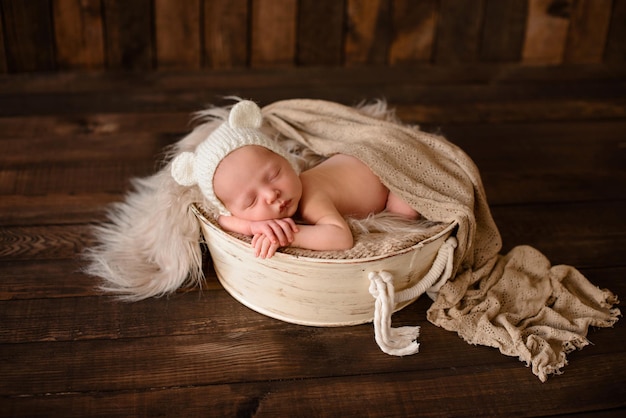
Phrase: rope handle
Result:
[402,341]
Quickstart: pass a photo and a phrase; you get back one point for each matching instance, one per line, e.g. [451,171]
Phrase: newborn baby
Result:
[255,185]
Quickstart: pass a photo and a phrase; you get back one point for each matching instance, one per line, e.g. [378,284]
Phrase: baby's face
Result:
[257,184]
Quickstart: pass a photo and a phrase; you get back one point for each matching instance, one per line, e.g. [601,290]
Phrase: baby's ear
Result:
[245,114]
[182,169]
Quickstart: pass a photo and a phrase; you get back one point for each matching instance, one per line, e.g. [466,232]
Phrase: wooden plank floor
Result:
[552,152]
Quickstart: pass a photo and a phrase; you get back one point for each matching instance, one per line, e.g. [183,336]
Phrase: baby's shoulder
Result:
[337,168]
[316,202]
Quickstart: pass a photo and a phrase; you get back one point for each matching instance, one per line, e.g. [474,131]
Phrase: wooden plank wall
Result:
[146,35]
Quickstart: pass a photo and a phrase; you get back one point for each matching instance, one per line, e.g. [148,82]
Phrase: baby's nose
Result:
[272,195]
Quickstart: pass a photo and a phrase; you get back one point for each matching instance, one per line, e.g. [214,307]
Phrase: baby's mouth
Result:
[285,206]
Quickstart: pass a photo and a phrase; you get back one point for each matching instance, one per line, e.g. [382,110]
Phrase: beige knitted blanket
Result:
[516,302]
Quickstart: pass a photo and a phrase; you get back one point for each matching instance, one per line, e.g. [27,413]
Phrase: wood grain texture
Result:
[129,36]
[503,30]
[28,35]
[368,34]
[588,31]
[226,33]
[425,94]
[273,33]
[615,51]
[555,155]
[181,84]
[352,396]
[458,32]
[3,55]
[177,34]
[95,124]
[153,35]
[79,34]
[414,25]
[442,393]
[91,147]
[546,31]
[44,243]
[320,32]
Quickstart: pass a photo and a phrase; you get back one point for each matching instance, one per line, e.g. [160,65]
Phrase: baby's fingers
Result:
[255,238]
[281,233]
[257,243]
[271,251]
[292,224]
[264,247]
[288,229]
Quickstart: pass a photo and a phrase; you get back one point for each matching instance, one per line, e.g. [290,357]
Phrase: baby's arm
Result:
[326,228]
[277,231]
[325,235]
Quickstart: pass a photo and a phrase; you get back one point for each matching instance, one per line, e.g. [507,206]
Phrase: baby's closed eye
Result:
[250,202]
[273,175]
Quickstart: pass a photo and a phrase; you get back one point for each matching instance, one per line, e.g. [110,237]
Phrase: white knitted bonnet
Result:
[241,129]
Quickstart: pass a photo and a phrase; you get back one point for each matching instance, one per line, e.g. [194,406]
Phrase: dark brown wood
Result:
[503,30]
[28,35]
[513,112]
[414,25]
[588,31]
[183,83]
[320,33]
[368,32]
[157,361]
[177,34]
[77,178]
[3,55]
[615,51]
[546,31]
[78,34]
[59,35]
[129,35]
[95,124]
[45,279]
[458,31]
[88,147]
[428,94]
[273,33]
[548,142]
[555,155]
[347,395]
[43,242]
[55,208]
[226,33]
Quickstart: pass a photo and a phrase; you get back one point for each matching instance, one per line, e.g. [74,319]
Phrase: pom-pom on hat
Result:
[241,129]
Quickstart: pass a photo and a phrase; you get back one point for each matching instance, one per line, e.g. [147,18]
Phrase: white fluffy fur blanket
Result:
[517,302]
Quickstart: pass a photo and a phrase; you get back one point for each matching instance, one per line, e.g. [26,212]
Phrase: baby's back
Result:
[350,184]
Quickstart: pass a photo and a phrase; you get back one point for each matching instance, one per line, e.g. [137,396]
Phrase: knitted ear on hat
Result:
[182,169]
[245,114]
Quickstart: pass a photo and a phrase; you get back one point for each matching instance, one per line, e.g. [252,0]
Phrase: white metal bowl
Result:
[312,291]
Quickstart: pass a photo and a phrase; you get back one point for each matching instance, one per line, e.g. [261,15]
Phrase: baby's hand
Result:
[263,246]
[277,231]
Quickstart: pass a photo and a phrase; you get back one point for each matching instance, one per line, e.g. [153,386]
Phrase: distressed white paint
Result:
[312,291]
